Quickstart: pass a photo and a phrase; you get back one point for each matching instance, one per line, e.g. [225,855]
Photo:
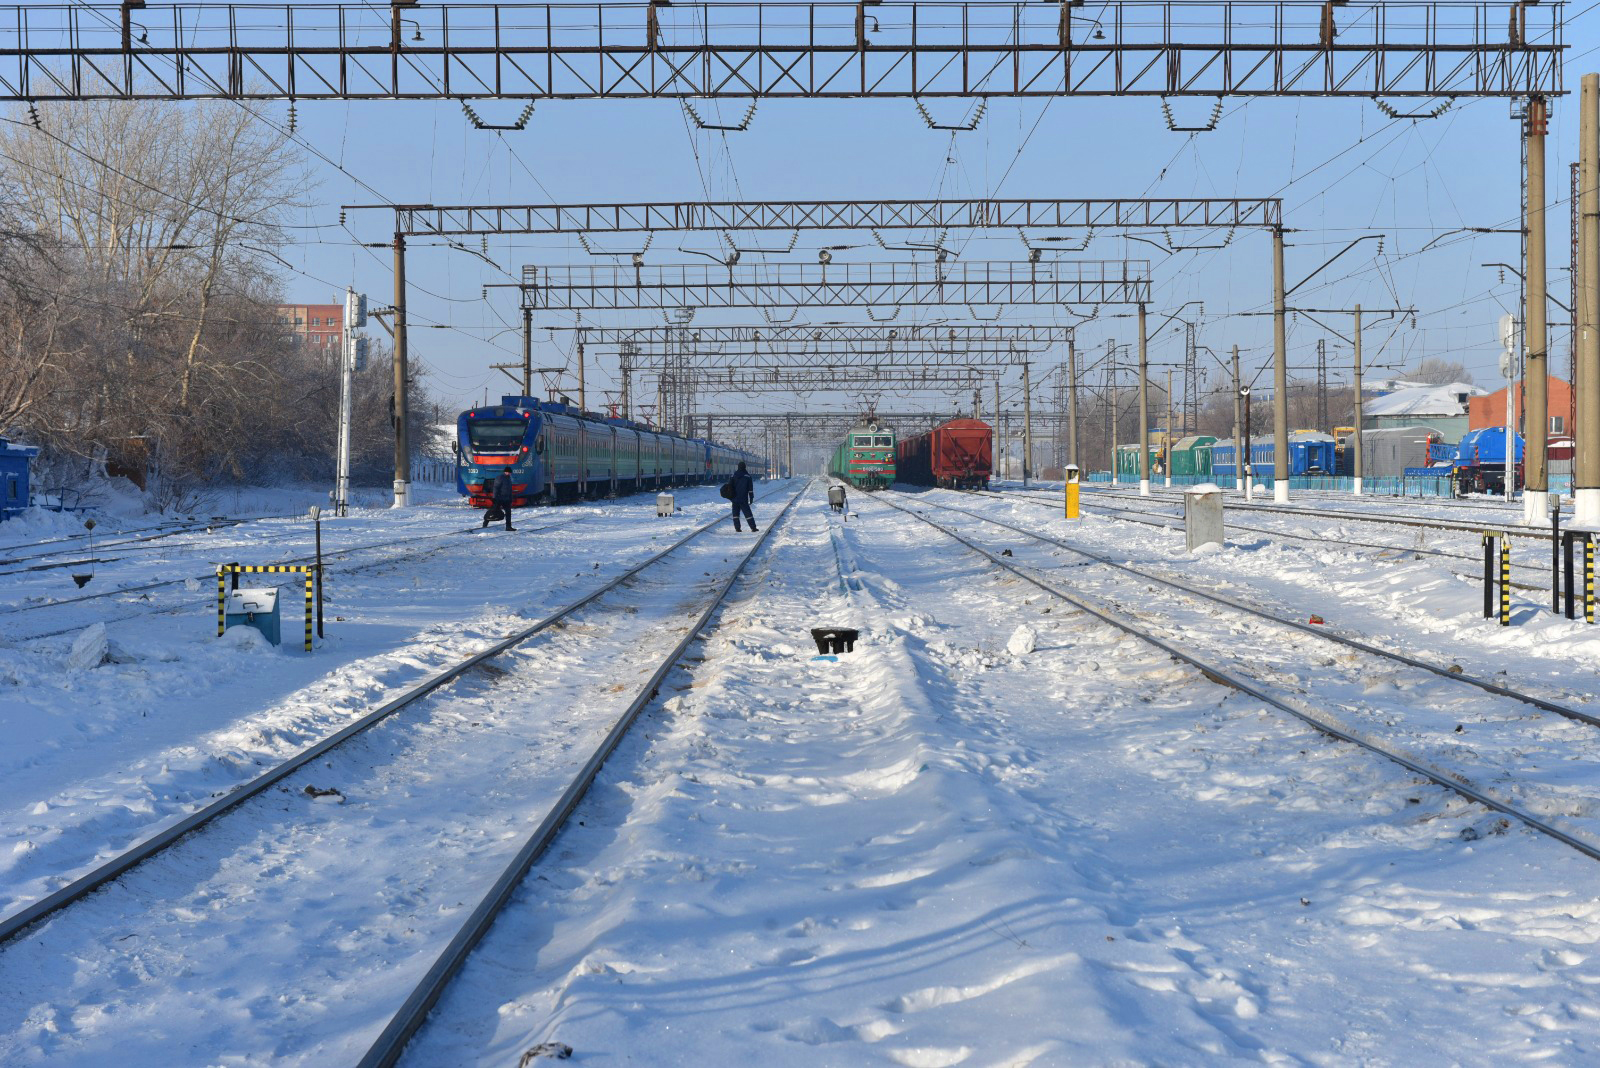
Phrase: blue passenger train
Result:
[556,453]
[1310,453]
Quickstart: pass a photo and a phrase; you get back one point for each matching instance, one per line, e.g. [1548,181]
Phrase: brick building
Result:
[1491,410]
[316,326]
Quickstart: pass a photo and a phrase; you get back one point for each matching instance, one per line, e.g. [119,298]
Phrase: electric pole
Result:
[1238,456]
[1536,379]
[1144,409]
[1027,425]
[402,436]
[1359,413]
[1586,476]
[1166,453]
[1072,400]
[1280,377]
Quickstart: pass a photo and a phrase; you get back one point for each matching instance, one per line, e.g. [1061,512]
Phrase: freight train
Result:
[865,458]
[555,453]
[957,454]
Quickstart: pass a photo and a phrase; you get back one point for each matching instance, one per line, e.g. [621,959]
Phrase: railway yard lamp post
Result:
[1240,461]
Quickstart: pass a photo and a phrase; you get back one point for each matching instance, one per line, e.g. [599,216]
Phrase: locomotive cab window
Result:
[490,435]
[883,439]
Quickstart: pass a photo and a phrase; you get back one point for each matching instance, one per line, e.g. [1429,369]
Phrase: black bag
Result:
[727,489]
[494,514]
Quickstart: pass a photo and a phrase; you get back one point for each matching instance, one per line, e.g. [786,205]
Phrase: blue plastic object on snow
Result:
[255,608]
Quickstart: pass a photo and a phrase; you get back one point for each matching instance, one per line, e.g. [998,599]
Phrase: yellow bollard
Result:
[1072,491]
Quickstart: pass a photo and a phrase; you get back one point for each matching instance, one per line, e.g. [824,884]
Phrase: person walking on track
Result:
[501,495]
[744,491]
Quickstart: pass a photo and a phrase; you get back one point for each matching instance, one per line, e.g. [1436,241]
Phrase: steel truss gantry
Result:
[791,285]
[405,50]
[791,380]
[693,356]
[794,334]
[434,220]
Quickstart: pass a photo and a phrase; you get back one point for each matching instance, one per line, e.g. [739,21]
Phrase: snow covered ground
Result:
[1000,832]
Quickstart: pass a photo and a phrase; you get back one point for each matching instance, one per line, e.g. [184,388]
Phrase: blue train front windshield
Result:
[496,435]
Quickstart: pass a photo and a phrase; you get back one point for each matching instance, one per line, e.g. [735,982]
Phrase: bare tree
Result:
[1437,371]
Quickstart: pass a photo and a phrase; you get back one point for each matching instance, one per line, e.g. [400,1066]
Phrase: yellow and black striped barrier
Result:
[1588,578]
[224,571]
[1569,545]
[1497,545]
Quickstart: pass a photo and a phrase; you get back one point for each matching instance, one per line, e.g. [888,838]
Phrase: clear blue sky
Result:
[1342,167]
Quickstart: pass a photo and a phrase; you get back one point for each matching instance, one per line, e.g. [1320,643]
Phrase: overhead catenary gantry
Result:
[789,285]
[462,220]
[407,50]
[973,335]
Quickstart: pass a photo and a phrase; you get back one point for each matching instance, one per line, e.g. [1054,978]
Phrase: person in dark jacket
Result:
[501,495]
[744,491]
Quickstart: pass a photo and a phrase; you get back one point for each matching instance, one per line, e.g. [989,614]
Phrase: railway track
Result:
[438,731]
[72,543]
[1168,521]
[1503,523]
[1433,749]
[209,578]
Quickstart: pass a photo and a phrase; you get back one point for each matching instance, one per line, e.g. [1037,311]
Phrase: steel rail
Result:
[1468,528]
[332,553]
[392,1041]
[1318,630]
[117,540]
[81,887]
[1123,511]
[1284,703]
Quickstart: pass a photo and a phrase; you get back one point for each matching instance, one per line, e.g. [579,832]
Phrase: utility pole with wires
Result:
[1027,425]
[1111,409]
[1072,401]
[1322,385]
[1166,453]
[1238,456]
[1536,379]
[1586,430]
[1144,407]
[1191,381]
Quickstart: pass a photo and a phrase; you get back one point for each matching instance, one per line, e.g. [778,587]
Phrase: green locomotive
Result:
[865,459]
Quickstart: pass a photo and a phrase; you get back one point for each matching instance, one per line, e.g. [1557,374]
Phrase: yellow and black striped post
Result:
[1505,581]
[1588,577]
[1488,574]
[222,597]
[237,569]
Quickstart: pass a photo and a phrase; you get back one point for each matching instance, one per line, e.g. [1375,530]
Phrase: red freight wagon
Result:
[957,455]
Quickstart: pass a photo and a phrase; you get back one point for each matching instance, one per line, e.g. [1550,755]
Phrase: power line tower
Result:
[1191,381]
[1322,386]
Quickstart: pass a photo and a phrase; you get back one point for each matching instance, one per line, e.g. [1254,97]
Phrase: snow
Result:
[1424,400]
[998,832]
